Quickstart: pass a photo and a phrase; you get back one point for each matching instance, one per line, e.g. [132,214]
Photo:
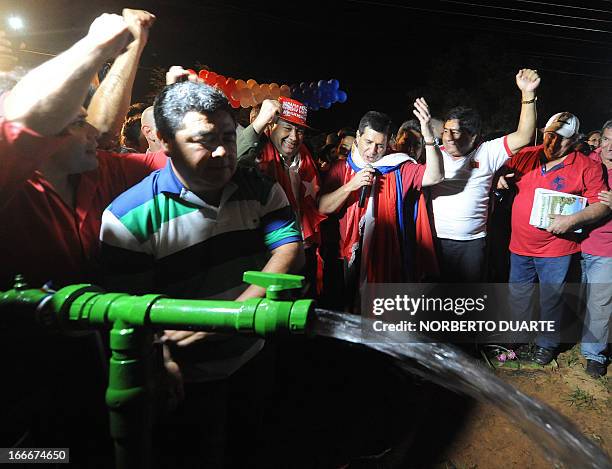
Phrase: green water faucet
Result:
[133,320]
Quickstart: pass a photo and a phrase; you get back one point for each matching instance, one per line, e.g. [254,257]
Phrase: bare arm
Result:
[434,169]
[285,259]
[527,81]
[112,98]
[51,95]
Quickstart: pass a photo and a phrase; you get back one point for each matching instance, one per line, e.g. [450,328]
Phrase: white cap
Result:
[565,124]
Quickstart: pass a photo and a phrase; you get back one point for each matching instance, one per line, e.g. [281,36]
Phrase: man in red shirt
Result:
[54,199]
[545,255]
[54,186]
[597,272]
[372,229]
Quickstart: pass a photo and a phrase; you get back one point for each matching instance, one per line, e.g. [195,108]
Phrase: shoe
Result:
[595,369]
[543,356]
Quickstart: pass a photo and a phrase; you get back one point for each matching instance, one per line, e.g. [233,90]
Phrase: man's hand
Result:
[421,111]
[178,73]
[110,33]
[365,177]
[270,110]
[139,22]
[184,338]
[605,197]
[561,224]
[527,80]
[502,182]
[174,381]
[7,58]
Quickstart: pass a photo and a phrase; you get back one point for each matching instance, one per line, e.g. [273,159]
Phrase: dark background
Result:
[384,53]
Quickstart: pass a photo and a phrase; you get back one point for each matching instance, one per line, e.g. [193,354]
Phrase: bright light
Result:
[15,23]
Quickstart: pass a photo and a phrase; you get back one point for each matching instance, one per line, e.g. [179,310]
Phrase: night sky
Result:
[384,53]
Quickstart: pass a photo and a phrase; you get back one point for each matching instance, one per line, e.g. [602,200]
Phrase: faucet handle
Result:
[275,284]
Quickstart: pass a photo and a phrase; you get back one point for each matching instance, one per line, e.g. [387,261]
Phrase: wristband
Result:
[530,101]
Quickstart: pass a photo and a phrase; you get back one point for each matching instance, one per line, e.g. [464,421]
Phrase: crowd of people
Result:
[179,198]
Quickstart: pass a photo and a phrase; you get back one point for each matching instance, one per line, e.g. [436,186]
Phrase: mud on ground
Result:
[489,440]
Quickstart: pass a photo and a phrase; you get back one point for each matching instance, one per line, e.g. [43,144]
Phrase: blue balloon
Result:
[303,84]
[321,84]
[326,104]
[342,96]
[312,85]
[334,84]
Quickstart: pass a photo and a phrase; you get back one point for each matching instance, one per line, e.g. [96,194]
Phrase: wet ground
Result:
[343,406]
[489,440]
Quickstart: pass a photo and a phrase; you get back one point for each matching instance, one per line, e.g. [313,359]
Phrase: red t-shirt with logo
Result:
[577,174]
[599,238]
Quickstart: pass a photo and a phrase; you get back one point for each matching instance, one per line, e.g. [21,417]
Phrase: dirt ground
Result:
[490,440]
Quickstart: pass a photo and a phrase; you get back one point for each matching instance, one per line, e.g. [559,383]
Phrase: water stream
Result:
[445,365]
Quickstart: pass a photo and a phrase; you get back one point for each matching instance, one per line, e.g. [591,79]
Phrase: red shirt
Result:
[412,177]
[42,237]
[599,239]
[577,174]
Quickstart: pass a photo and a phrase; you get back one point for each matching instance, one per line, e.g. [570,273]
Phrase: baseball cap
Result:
[293,111]
[565,124]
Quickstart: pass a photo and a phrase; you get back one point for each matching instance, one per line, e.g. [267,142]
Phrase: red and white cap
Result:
[565,124]
[293,111]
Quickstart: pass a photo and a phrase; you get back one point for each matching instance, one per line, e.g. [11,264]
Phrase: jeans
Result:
[551,272]
[597,274]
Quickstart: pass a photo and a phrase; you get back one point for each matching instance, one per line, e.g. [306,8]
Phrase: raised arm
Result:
[110,103]
[434,170]
[51,95]
[251,136]
[527,82]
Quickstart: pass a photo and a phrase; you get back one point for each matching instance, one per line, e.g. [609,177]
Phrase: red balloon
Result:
[203,74]
[212,78]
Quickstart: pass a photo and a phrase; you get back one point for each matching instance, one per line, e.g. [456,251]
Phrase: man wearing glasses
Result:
[548,255]
[461,202]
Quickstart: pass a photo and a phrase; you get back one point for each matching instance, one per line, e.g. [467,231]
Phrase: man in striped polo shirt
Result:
[190,230]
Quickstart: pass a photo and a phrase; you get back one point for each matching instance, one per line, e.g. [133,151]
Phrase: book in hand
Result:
[547,202]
